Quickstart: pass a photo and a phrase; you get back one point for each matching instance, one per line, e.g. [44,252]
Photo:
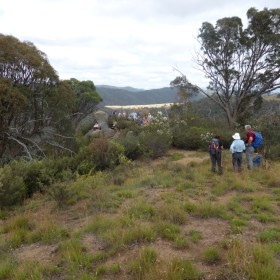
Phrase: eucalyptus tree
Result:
[86,98]
[30,94]
[242,64]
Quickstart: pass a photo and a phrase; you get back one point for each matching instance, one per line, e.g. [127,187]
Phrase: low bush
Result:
[189,137]
[131,144]
[154,144]
[105,153]
[12,187]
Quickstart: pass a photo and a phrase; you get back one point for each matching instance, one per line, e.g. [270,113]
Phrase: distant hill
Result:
[124,88]
[131,96]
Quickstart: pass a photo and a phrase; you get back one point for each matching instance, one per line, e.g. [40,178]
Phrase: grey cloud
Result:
[60,42]
[143,9]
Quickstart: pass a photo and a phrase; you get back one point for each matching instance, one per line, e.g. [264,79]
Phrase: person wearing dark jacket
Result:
[215,151]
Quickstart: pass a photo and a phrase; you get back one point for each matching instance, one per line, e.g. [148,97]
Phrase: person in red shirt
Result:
[250,137]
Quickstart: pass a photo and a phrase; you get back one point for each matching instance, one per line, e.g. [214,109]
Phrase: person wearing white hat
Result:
[236,148]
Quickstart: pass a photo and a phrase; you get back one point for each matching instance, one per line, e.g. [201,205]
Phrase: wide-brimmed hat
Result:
[236,136]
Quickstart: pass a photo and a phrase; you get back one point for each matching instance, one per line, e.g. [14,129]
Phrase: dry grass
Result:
[167,219]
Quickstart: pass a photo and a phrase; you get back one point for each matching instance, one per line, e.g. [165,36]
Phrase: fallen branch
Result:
[23,145]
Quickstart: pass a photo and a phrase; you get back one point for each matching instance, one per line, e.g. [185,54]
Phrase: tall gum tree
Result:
[241,64]
[30,94]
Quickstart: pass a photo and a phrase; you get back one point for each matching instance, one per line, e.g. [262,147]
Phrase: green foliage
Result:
[17,230]
[177,156]
[167,230]
[131,144]
[86,97]
[180,269]
[75,256]
[222,46]
[206,209]
[105,153]
[141,210]
[172,213]
[155,138]
[186,136]
[253,262]
[33,81]
[34,177]
[35,270]
[211,255]
[195,235]
[180,242]
[7,266]
[12,187]
[49,233]
[60,193]
[237,225]
[18,223]
[114,268]
[270,235]
[261,204]
[144,264]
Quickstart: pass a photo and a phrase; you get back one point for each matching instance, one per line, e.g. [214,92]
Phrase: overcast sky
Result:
[120,42]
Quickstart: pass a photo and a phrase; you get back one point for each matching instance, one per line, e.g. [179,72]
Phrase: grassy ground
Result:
[164,219]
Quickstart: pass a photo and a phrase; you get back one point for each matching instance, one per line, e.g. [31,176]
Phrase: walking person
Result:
[215,151]
[237,148]
[250,138]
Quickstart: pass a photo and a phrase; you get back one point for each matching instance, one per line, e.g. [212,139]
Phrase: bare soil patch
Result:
[188,157]
[35,252]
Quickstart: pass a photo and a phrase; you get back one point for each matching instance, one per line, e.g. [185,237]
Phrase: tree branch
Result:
[23,145]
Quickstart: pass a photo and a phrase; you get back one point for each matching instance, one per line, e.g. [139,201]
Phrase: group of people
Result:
[139,117]
[237,148]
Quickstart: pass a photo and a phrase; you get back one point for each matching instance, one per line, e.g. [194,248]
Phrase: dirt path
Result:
[185,156]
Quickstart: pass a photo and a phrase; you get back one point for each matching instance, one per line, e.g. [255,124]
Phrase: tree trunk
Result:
[231,118]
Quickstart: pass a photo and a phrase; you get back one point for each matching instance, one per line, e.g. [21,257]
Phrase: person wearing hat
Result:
[215,150]
[236,148]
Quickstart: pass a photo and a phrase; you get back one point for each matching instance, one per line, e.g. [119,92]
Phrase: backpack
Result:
[258,140]
[257,161]
[213,146]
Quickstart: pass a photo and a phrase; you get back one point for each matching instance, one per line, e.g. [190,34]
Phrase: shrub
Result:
[104,153]
[156,138]
[189,137]
[131,146]
[60,193]
[12,187]
[124,124]
[154,144]
[59,169]
[35,178]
